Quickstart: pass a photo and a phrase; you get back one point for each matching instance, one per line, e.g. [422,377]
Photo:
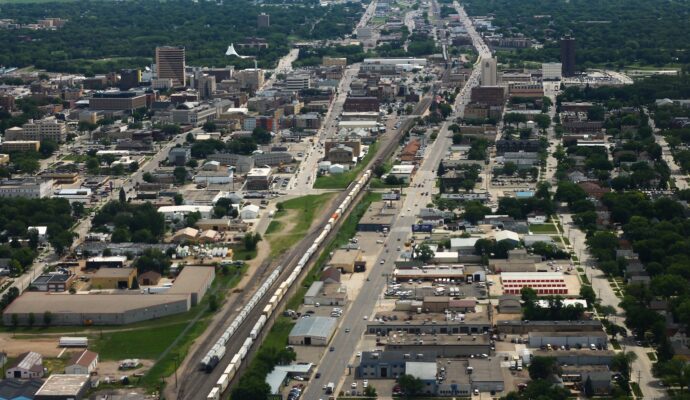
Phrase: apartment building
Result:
[43,129]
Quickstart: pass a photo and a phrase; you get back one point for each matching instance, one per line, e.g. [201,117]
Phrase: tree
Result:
[543,367]
[147,177]
[180,174]
[543,121]
[261,135]
[587,294]
[424,252]
[123,195]
[251,240]
[475,211]
[510,168]
[528,295]
[213,302]
[209,126]
[178,199]
[32,319]
[379,169]
[47,318]
[410,385]
[48,147]
[15,321]
[391,180]
[370,391]
[514,118]
[622,363]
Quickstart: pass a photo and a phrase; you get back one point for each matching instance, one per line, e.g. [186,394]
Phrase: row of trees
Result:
[118,35]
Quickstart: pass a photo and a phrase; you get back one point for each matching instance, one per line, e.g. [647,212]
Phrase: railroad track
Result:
[195,384]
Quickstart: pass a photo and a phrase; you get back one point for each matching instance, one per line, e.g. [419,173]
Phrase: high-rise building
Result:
[489,75]
[263,20]
[129,78]
[170,63]
[206,85]
[568,55]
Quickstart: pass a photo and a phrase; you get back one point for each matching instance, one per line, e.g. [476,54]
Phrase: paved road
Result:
[681,179]
[303,180]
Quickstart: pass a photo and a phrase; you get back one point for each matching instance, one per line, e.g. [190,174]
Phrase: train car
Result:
[267,310]
[230,370]
[243,352]
[220,352]
[214,394]
[222,382]
[235,360]
[213,362]
[204,362]
[248,342]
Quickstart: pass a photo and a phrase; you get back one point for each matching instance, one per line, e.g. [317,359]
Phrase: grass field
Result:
[543,228]
[138,343]
[240,253]
[298,217]
[341,181]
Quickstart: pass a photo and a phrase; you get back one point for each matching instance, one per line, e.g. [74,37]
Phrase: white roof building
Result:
[172,212]
[250,211]
[507,235]
[463,244]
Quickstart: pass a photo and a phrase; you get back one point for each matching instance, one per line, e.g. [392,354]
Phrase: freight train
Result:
[217,352]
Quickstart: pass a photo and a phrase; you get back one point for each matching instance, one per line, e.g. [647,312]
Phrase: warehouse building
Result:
[64,387]
[27,366]
[195,281]
[313,331]
[524,327]
[443,345]
[95,309]
[584,339]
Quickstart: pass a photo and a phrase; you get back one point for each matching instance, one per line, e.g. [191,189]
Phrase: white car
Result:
[365,383]
[354,385]
[359,354]
[366,317]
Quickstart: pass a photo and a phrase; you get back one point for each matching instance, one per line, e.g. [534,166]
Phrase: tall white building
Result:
[489,74]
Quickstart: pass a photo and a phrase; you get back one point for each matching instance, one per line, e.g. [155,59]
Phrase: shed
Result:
[82,363]
[316,331]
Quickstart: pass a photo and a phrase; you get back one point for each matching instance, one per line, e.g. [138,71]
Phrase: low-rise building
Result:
[195,281]
[542,282]
[327,294]
[82,363]
[53,282]
[31,188]
[378,217]
[180,212]
[259,179]
[443,345]
[114,278]
[64,387]
[348,260]
[27,366]
[314,331]
[583,339]
[524,327]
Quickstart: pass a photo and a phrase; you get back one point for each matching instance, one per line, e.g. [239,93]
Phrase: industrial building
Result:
[95,309]
[195,281]
[314,331]
[53,282]
[524,327]
[584,339]
[443,345]
[64,387]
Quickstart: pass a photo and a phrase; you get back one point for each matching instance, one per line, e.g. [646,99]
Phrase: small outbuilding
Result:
[82,363]
[314,331]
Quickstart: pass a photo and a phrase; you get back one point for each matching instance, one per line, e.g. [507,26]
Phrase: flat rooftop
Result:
[40,302]
[412,318]
[443,340]
[63,385]
[113,273]
[191,279]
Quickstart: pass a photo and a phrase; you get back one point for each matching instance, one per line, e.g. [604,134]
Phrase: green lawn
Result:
[240,253]
[636,389]
[139,343]
[341,181]
[304,209]
[652,356]
[584,279]
[543,228]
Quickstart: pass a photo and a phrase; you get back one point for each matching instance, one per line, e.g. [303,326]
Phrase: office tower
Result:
[170,62]
[129,78]
[489,75]
[568,55]
[263,20]
[206,85]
